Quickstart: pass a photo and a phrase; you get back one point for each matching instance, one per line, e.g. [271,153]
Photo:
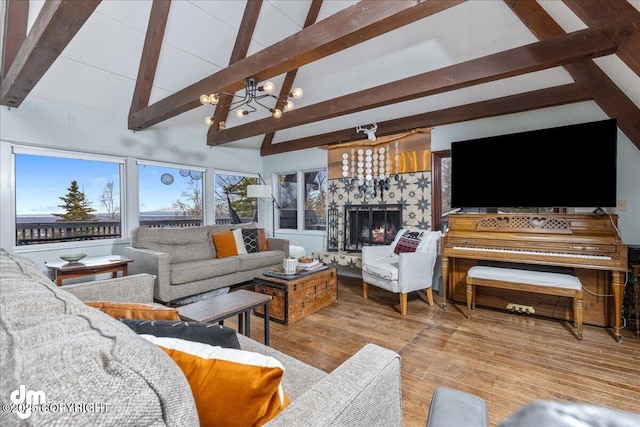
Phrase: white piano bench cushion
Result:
[540,278]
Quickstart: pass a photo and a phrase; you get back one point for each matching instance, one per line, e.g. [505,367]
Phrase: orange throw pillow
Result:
[231,388]
[225,244]
[121,310]
[263,243]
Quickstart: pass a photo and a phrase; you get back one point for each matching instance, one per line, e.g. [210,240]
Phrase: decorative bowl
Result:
[73,257]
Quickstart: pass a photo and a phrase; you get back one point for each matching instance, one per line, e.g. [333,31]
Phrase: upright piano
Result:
[587,245]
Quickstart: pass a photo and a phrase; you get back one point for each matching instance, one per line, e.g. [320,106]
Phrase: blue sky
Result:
[41,181]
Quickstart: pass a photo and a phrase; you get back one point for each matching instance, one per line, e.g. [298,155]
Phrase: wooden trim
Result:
[619,20]
[436,187]
[150,54]
[521,60]
[55,26]
[363,21]
[602,89]
[15,32]
[312,16]
[240,49]
[544,98]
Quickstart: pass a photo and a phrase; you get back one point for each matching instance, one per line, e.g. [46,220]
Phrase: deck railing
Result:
[30,233]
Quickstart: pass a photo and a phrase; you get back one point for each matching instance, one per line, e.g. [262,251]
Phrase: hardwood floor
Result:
[509,360]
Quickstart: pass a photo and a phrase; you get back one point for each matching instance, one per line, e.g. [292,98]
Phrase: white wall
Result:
[46,124]
[628,155]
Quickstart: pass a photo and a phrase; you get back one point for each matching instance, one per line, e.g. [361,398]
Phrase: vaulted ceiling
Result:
[400,64]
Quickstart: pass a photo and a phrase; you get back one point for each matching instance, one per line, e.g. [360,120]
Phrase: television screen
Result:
[568,166]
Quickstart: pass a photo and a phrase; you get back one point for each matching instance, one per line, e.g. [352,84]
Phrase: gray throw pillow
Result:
[205,333]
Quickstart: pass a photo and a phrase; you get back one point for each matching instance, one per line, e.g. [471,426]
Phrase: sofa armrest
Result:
[137,288]
[277,244]
[155,263]
[363,391]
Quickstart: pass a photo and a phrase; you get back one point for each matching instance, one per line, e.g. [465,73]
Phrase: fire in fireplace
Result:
[371,225]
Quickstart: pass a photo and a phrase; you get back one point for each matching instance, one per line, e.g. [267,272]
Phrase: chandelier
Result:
[251,98]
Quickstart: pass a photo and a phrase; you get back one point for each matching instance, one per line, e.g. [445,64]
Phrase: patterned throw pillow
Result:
[408,242]
[250,237]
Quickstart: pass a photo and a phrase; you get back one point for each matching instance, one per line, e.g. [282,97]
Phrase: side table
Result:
[89,266]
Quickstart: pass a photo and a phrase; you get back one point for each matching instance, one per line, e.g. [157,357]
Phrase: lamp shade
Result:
[258,191]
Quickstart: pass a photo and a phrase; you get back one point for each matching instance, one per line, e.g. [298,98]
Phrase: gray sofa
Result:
[51,341]
[184,260]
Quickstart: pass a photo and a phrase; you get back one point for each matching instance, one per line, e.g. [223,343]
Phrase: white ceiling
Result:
[99,67]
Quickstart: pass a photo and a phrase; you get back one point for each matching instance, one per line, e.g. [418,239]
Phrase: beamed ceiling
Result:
[400,64]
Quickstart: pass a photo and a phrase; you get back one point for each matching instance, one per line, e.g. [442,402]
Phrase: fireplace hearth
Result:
[367,225]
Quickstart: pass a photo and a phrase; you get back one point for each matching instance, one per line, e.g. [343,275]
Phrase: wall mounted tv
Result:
[568,166]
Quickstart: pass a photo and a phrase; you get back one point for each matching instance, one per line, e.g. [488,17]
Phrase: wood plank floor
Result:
[509,360]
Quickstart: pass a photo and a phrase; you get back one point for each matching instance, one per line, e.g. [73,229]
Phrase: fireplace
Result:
[366,225]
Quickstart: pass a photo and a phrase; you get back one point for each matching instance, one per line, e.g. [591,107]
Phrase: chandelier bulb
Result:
[296,93]
[213,99]
[289,105]
[269,87]
[276,113]
[204,99]
[208,120]
[240,113]
[222,125]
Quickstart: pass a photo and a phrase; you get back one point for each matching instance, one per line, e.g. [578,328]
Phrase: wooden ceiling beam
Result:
[16,18]
[312,17]
[358,23]
[619,20]
[521,60]
[56,24]
[150,54]
[544,98]
[609,97]
[240,49]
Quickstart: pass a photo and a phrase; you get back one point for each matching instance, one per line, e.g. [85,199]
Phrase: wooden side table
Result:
[89,266]
[237,303]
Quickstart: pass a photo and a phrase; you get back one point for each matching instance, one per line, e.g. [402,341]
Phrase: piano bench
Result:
[558,284]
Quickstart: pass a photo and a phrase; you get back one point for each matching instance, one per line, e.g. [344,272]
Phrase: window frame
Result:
[11,216]
[300,202]
[234,173]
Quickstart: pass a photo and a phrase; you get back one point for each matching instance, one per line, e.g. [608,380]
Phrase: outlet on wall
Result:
[621,205]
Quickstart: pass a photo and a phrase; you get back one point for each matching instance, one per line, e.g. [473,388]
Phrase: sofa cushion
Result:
[124,310]
[237,235]
[250,237]
[51,341]
[182,244]
[225,244]
[260,260]
[232,388]
[187,272]
[205,333]
[385,267]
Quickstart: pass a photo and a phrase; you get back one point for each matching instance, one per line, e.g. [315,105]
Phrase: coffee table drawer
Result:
[277,305]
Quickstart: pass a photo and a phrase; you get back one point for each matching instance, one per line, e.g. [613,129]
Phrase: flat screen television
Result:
[568,166]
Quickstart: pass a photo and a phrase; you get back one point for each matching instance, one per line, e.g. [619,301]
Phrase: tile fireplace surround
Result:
[412,191]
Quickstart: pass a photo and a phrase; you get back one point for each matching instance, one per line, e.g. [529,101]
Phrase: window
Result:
[288,196]
[309,199]
[232,204]
[77,198]
[315,198]
[170,196]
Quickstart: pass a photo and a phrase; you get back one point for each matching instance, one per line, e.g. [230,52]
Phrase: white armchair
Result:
[404,272]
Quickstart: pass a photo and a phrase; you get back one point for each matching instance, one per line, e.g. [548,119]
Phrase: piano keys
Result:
[587,244]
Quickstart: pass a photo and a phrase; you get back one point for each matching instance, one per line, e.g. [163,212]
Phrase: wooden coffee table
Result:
[237,303]
[89,266]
